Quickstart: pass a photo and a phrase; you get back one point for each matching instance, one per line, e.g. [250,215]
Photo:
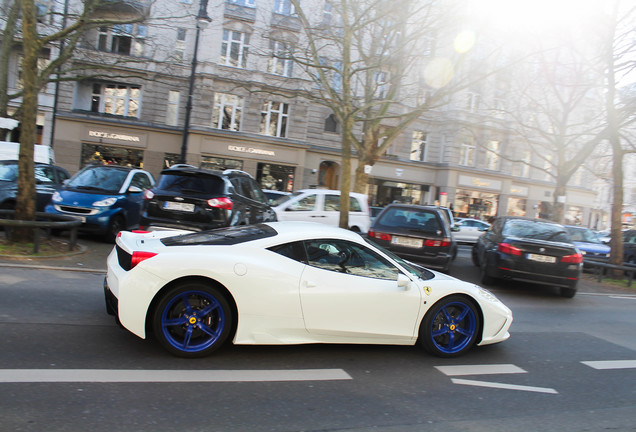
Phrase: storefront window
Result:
[477,205]
[384,192]
[574,215]
[111,155]
[516,207]
[275,177]
[219,163]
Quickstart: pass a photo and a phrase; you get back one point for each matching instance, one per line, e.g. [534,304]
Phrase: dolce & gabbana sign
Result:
[115,137]
[251,150]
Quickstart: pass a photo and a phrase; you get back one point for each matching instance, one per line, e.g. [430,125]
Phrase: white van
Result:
[322,205]
[41,153]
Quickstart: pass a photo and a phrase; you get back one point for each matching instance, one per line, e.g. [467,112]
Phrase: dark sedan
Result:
[47,179]
[530,250]
[416,233]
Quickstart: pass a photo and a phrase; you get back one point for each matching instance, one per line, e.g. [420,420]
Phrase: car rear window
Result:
[400,217]
[222,236]
[191,183]
[536,230]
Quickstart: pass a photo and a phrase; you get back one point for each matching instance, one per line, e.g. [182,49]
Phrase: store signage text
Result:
[479,182]
[108,135]
[518,190]
[251,150]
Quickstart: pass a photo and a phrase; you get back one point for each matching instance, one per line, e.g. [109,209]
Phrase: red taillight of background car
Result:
[509,249]
[577,258]
[437,243]
[148,194]
[139,256]
[222,203]
[380,235]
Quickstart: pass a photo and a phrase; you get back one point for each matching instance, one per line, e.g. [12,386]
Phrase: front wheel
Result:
[450,327]
[192,320]
[115,225]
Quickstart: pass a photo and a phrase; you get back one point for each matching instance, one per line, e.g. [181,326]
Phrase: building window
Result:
[492,155]
[331,124]
[116,99]
[42,64]
[467,155]
[521,168]
[172,113]
[234,48]
[275,177]
[381,84]
[125,39]
[548,166]
[284,7]
[246,3]
[227,112]
[179,46]
[472,102]
[219,163]
[280,62]
[418,146]
[327,13]
[274,119]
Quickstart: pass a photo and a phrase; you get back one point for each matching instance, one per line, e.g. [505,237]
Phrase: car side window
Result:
[350,258]
[307,203]
[253,191]
[294,250]
[140,180]
[354,205]
[44,174]
[332,202]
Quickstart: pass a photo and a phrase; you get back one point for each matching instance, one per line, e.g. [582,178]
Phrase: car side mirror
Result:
[483,229]
[134,189]
[455,228]
[403,281]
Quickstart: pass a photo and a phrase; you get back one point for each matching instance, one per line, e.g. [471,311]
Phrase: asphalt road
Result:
[570,365]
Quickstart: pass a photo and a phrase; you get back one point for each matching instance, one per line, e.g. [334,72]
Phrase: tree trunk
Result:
[25,202]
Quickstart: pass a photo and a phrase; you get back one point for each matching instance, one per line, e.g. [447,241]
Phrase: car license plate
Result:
[407,241]
[541,258]
[171,205]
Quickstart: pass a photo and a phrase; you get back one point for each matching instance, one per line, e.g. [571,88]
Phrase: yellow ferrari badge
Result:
[427,290]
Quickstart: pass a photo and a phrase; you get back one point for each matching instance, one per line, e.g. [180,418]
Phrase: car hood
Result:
[71,197]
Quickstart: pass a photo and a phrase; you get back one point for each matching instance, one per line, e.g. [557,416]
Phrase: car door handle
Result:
[318,216]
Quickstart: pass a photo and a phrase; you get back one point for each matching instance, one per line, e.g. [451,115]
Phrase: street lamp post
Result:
[202,21]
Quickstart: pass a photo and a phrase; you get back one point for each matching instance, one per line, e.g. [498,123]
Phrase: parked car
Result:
[416,233]
[588,242]
[107,198]
[274,196]
[290,283]
[469,230]
[199,199]
[629,246]
[47,178]
[375,211]
[530,250]
[323,205]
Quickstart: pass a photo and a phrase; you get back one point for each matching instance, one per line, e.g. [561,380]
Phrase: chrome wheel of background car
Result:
[192,320]
[450,327]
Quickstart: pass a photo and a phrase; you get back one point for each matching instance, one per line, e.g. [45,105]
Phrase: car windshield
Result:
[9,171]
[424,221]
[222,236]
[105,179]
[187,183]
[583,235]
[414,269]
[536,230]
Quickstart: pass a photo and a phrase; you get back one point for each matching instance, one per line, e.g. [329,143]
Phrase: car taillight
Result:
[222,203]
[437,243]
[139,256]
[379,235]
[140,231]
[577,258]
[509,249]
[148,194]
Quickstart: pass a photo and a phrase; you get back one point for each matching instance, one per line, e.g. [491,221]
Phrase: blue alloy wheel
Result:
[192,320]
[450,327]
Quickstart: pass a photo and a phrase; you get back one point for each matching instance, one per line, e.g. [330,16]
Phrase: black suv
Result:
[416,233]
[629,246]
[47,178]
[187,197]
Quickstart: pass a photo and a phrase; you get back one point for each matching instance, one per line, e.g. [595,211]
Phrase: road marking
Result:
[492,369]
[623,297]
[504,386]
[132,375]
[611,364]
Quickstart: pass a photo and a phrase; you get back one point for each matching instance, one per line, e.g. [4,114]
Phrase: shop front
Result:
[477,197]
[518,201]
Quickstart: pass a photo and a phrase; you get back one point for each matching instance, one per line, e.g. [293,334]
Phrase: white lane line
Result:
[611,364]
[492,369]
[623,297]
[504,386]
[132,375]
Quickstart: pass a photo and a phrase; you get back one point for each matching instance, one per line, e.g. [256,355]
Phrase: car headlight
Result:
[105,202]
[487,294]
[56,197]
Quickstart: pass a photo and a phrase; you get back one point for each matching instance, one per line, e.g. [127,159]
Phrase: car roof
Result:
[196,170]
[294,231]
[332,191]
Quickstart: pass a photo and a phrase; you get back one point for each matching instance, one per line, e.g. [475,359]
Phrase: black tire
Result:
[192,320]
[567,292]
[450,327]
[474,257]
[115,225]
[485,278]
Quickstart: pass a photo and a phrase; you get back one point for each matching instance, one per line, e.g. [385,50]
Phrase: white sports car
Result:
[290,283]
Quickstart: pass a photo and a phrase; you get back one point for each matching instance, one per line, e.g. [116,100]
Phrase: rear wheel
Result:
[450,327]
[568,292]
[192,320]
[486,279]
